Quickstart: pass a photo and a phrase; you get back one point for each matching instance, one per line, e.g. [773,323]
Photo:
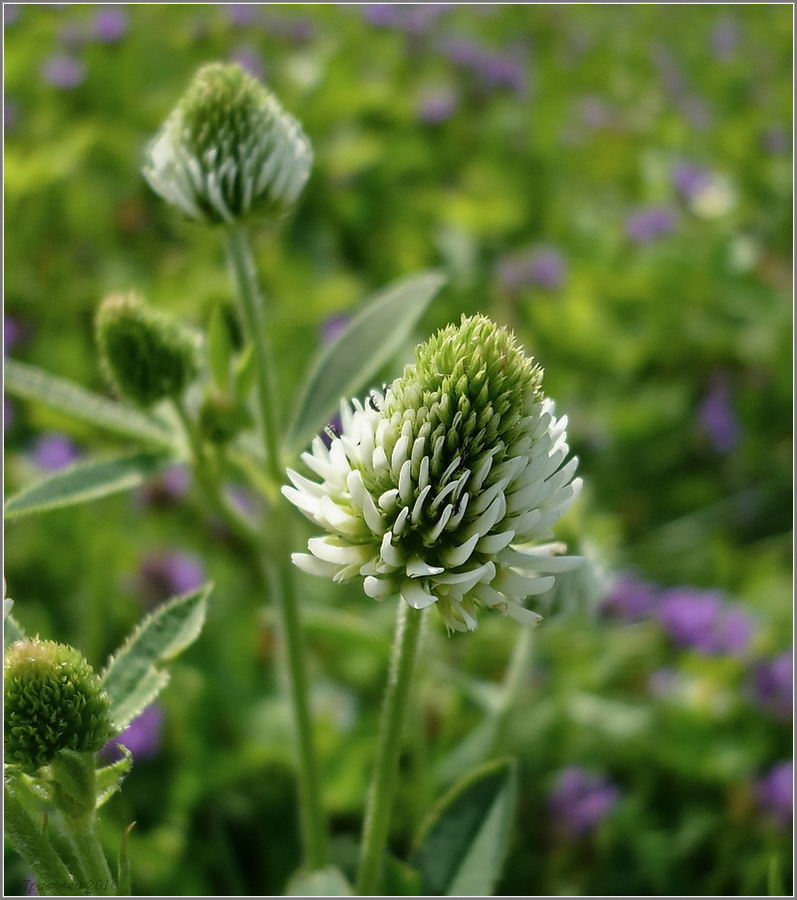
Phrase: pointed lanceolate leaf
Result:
[109,778]
[464,842]
[328,882]
[219,349]
[31,383]
[12,631]
[135,675]
[85,481]
[123,880]
[347,366]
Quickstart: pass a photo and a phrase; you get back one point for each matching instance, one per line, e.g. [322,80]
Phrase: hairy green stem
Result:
[513,678]
[391,727]
[32,843]
[94,863]
[279,571]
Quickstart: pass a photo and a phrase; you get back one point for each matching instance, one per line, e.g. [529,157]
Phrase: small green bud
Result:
[53,701]
[221,417]
[146,355]
[228,151]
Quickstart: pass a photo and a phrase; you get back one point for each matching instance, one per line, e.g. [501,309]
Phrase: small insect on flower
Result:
[146,355]
[53,701]
[441,488]
[228,151]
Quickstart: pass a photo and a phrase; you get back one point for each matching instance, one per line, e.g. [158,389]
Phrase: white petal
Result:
[414,594]
[313,565]
[417,568]
[327,549]
[392,556]
[492,543]
[378,587]
[305,484]
[458,556]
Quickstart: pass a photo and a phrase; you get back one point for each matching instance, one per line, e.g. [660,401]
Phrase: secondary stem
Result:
[391,726]
[99,878]
[279,572]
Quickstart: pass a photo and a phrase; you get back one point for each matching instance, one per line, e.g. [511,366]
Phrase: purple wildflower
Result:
[725,38]
[775,793]
[165,489]
[165,574]
[690,179]
[716,417]
[413,18]
[542,267]
[772,685]
[580,800]
[110,24]
[53,451]
[250,60]
[699,620]
[142,737]
[333,326]
[242,15]
[776,140]
[332,428]
[595,113]
[649,223]
[63,71]
[630,599]
[436,105]
[10,13]
[12,333]
[546,268]
[493,69]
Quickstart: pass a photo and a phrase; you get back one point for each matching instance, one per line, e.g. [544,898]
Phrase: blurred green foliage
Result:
[589,127]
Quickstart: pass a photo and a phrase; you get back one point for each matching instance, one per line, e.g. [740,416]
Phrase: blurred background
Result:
[612,182]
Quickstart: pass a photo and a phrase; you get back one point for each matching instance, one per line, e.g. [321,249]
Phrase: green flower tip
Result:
[228,151]
[443,488]
[146,355]
[53,701]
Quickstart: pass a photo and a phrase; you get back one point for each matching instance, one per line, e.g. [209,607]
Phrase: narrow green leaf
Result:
[12,631]
[85,481]
[245,372]
[123,880]
[372,337]
[134,675]
[464,841]
[31,383]
[219,349]
[328,882]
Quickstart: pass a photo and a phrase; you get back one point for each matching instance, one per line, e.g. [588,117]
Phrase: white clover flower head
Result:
[441,488]
[228,151]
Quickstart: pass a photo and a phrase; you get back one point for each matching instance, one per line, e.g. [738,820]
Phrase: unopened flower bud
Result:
[441,489]
[53,701]
[228,151]
[147,356]
[221,417]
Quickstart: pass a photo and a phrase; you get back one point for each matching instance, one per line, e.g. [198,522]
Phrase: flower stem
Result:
[391,726]
[279,571]
[94,863]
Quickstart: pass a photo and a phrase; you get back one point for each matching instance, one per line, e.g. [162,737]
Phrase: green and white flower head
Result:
[53,701]
[147,356]
[442,488]
[228,151]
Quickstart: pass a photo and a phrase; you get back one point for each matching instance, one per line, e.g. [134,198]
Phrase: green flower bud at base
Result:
[53,701]
[221,417]
[228,151]
[441,489]
[146,355]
